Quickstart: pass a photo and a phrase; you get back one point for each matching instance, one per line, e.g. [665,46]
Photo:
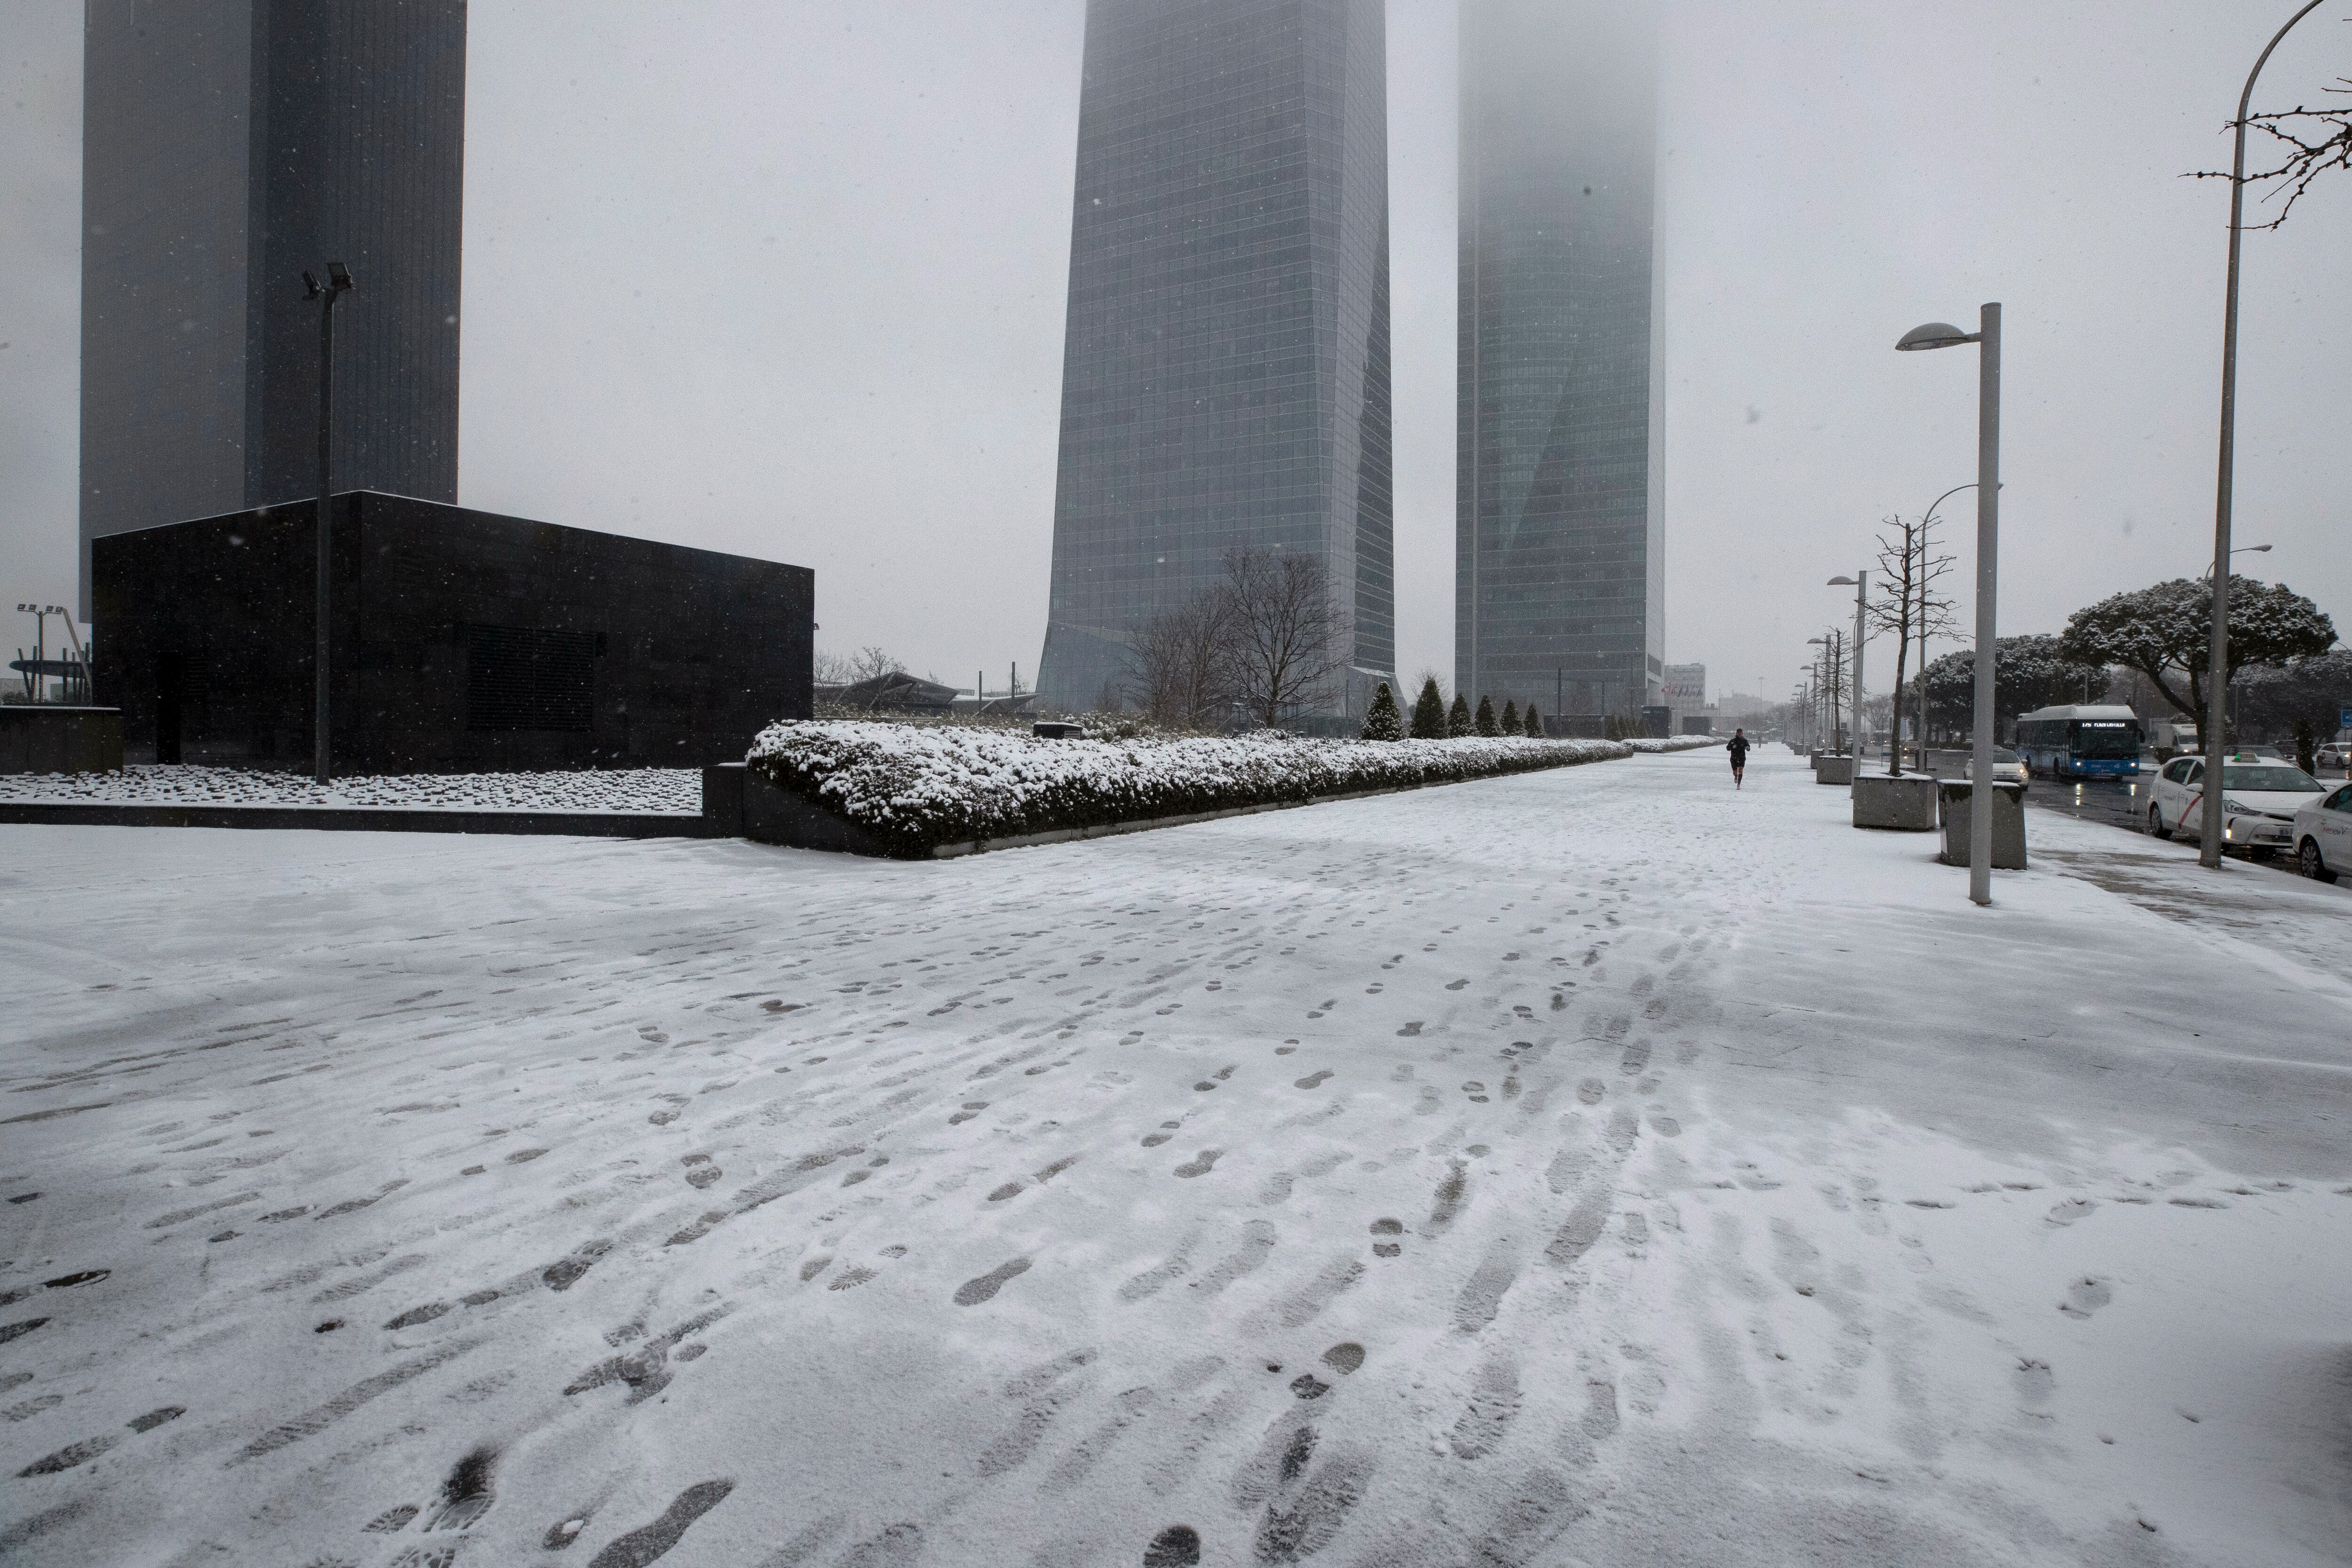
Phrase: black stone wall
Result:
[462,641]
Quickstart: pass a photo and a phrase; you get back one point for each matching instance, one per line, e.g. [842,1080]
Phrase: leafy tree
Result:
[2166,633]
[2301,693]
[1613,728]
[2028,672]
[1485,723]
[1429,712]
[1535,723]
[1457,718]
[1510,717]
[1383,722]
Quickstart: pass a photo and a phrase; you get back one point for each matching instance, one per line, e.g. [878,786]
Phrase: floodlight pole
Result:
[1987,583]
[2217,658]
[339,280]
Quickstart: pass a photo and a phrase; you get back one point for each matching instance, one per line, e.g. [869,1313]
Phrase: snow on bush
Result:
[916,789]
[635,789]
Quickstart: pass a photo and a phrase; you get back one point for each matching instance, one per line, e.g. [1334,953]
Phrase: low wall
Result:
[46,738]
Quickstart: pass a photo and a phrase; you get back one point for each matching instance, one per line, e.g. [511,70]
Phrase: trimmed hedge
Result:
[916,789]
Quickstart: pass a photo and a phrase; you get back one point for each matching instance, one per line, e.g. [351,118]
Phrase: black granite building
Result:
[228,146]
[1225,378]
[1560,594]
[462,641]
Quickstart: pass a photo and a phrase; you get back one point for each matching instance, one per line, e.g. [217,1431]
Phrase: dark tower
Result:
[228,145]
[1225,379]
[1560,584]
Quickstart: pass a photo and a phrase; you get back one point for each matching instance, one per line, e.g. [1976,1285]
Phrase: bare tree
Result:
[1917,611]
[1286,631]
[2309,142]
[831,669]
[1183,660]
[869,662]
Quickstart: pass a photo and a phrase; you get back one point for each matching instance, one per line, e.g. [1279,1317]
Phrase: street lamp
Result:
[2208,838]
[1943,335]
[1860,583]
[2207,575]
[339,281]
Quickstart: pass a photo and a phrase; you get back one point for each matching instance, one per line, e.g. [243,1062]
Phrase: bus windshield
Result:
[2106,738]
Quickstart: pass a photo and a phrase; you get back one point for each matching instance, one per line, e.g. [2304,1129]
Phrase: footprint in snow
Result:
[1313,1080]
[2085,1296]
[2071,1210]
[1200,1163]
[973,1292]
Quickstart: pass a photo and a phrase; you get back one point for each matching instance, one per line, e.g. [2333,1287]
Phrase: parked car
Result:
[2334,756]
[2260,798]
[2323,836]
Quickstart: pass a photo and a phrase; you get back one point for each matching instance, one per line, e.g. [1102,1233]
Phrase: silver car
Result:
[2323,836]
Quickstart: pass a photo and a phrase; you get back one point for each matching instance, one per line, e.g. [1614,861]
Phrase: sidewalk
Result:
[1593,1166]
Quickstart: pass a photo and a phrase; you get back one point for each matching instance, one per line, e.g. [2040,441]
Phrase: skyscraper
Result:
[1225,378]
[1560,588]
[228,146]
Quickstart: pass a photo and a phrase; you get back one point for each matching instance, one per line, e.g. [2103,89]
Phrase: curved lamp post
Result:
[2217,659]
[1861,585]
[1943,335]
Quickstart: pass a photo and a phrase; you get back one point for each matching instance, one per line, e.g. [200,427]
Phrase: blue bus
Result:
[2080,741]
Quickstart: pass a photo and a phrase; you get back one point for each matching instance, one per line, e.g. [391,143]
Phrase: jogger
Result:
[1739,759]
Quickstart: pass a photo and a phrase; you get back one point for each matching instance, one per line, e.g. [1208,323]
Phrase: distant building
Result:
[461,642]
[1685,687]
[1226,373]
[228,146]
[897,692]
[1559,527]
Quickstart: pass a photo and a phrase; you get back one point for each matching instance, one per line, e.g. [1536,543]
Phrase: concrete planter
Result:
[1833,770]
[1905,805]
[2007,824]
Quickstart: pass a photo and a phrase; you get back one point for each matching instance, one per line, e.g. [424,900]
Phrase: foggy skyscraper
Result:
[227,146]
[1560,534]
[1225,379]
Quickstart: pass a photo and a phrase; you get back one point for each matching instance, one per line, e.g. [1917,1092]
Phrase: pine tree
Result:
[1383,721]
[1429,712]
[1510,716]
[1485,722]
[1457,717]
[1535,723]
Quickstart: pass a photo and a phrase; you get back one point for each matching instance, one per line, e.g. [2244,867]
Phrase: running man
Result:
[1739,759]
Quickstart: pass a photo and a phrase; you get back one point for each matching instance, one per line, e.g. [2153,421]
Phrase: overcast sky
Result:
[787,279]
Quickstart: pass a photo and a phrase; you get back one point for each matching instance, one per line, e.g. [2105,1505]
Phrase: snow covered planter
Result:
[911,793]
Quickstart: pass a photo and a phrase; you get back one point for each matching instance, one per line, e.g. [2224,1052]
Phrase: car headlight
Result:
[2243,810]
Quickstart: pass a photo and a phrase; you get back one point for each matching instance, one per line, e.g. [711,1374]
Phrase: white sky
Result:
[749,276]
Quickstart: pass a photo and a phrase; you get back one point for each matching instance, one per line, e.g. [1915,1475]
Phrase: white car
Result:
[2323,836]
[2258,801]
[2008,768]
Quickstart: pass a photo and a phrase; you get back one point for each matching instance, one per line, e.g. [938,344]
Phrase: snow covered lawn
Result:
[631,789]
[1593,1165]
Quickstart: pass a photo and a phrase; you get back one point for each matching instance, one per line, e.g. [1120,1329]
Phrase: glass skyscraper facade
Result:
[1225,377]
[227,147]
[1560,589]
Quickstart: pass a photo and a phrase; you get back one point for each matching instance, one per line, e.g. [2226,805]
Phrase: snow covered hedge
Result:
[915,790]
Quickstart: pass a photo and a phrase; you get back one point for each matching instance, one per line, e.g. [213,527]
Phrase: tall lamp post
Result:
[1860,583]
[339,281]
[2217,661]
[1987,337]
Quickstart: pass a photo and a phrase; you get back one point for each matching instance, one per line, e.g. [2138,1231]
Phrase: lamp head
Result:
[1934,335]
[1817,640]
[339,276]
[1839,582]
[2258,549]
[311,290]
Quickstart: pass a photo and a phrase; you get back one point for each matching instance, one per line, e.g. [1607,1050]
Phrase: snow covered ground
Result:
[1589,1166]
[632,790]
